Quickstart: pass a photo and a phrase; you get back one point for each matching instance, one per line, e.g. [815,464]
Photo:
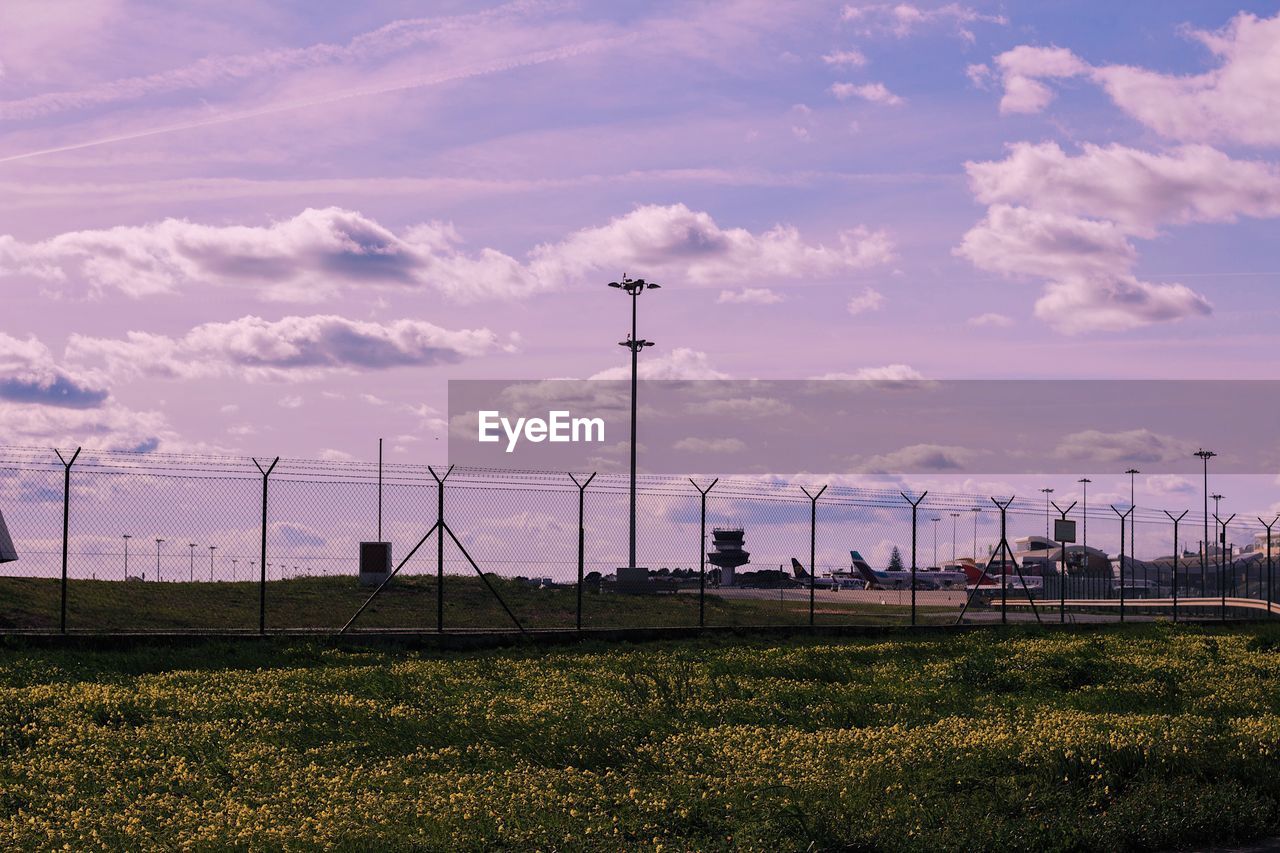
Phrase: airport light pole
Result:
[1217,556]
[212,548]
[1205,456]
[1133,533]
[935,540]
[954,516]
[1084,527]
[126,537]
[234,561]
[976,511]
[1047,492]
[633,288]
[192,569]
[158,542]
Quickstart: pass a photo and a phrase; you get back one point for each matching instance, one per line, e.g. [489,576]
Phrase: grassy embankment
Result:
[1147,737]
[408,603]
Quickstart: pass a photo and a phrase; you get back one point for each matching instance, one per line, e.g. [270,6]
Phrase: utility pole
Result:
[1205,456]
[633,288]
[158,542]
[954,516]
[935,541]
[212,548]
[1133,533]
[126,537]
[976,512]
[191,570]
[1047,492]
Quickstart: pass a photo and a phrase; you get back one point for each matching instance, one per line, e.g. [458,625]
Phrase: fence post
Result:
[262,582]
[440,546]
[1122,518]
[1268,526]
[66,518]
[702,553]
[1222,563]
[582,537]
[1062,576]
[914,506]
[1175,521]
[813,543]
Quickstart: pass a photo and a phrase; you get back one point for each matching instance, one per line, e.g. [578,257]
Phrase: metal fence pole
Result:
[914,506]
[440,545]
[1062,576]
[1123,516]
[262,582]
[813,544]
[702,553]
[1268,526]
[1175,520]
[582,537]
[66,519]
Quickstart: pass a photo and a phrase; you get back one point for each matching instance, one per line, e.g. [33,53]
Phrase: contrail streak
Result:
[521,61]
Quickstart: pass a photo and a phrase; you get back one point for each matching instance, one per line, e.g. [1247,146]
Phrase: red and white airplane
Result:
[998,577]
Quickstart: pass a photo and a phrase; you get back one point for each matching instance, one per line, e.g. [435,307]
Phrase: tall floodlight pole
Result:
[1047,492]
[1205,456]
[633,288]
[1084,528]
[935,540]
[212,548]
[126,537]
[954,516]
[191,570]
[1217,548]
[158,543]
[1133,533]
[976,511]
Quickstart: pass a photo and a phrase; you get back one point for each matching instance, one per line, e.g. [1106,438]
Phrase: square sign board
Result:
[1064,530]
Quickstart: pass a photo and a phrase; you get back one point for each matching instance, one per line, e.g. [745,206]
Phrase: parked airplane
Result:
[818,582]
[993,581]
[925,578]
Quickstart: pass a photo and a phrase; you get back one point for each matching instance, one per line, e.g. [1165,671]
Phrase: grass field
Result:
[407,603]
[1147,737]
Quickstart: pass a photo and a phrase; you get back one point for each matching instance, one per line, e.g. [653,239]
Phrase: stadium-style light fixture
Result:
[633,287]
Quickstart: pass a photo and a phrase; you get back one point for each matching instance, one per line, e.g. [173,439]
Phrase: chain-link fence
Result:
[145,542]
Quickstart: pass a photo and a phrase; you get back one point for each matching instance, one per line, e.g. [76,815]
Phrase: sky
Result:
[235,227]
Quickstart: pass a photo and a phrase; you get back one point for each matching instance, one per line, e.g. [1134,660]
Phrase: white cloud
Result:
[991,320]
[711,445]
[917,458]
[675,243]
[1140,190]
[887,373]
[29,374]
[905,19]
[680,363]
[852,58]
[321,251]
[291,401]
[1236,101]
[1024,66]
[1070,219]
[1128,447]
[876,93]
[749,296]
[107,427]
[869,299]
[1170,484]
[293,348]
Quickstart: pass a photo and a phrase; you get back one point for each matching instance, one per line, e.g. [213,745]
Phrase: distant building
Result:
[728,554]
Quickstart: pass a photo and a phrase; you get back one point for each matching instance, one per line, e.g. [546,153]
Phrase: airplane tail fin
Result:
[797,569]
[973,574]
[864,571]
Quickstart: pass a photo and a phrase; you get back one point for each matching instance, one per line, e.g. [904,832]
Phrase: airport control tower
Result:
[728,553]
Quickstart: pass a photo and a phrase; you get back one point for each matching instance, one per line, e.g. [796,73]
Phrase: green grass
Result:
[407,603]
[1144,737]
